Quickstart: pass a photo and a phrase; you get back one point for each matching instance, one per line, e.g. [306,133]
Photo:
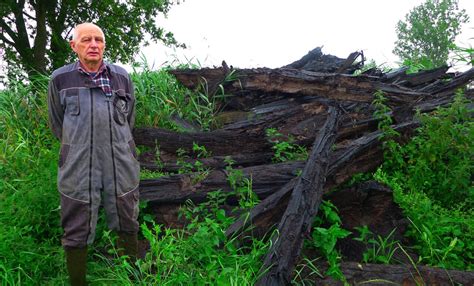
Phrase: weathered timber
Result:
[338,87]
[348,65]
[180,188]
[303,206]
[414,80]
[214,162]
[369,204]
[459,81]
[316,61]
[299,122]
[218,142]
[394,74]
[264,215]
[255,85]
[362,155]
[381,274]
[356,156]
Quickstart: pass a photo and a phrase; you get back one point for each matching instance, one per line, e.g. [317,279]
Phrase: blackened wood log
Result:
[380,274]
[297,121]
[314,55]
[415,79]
[425,77]
[264,215]
[393,75]
[369,204]
[451,86]
[316,61]
[303,206]
[301,120]
[217,142]
[266,180]
[348,65]
[287,82]
[362,155]
[249,133]
[300,82]
[214,162]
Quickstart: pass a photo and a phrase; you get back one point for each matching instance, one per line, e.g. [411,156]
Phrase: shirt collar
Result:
[103,68]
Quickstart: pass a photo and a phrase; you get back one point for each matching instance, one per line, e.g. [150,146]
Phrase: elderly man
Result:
[91,111]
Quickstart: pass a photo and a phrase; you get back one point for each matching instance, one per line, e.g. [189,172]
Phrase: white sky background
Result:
[273,33]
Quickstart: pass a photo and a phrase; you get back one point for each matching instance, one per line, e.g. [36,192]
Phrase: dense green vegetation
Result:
[30,251]
[430,175]
[432,181]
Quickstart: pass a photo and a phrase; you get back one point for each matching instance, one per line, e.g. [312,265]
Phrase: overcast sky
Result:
[273,33]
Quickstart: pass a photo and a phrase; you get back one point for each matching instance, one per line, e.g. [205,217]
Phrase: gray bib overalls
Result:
[98,163]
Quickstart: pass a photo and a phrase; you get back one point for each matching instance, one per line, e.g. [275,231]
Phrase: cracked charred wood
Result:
[369,204]
[249,133]
[217,142]
[267,85]
[264,215]
[300,120]
[316,61]
[180,188]
[302,207]
[448,88]
[297,121]
[348,158]
[416,80]
[361,155]
[348,65]
[387,274]
[338,87]
[423,78]
[300,123]
[215,162]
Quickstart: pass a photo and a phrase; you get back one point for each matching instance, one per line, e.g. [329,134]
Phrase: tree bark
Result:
[41,39]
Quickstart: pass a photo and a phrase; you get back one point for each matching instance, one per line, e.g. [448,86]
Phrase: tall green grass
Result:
[163,102]
[29,226]
[30,249]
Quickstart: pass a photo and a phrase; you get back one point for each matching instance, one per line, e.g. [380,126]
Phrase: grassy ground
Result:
[431,177]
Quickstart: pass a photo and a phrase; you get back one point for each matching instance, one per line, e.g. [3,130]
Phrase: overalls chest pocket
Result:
[71,101]
[122,104]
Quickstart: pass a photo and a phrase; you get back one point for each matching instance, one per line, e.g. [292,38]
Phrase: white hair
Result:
[75,34]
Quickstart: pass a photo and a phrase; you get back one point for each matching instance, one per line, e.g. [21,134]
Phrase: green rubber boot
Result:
[76,261]
[128,245]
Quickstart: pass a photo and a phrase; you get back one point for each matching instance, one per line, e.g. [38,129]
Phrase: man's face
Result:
[89,44]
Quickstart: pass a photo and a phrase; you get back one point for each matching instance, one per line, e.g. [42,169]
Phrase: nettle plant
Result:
[284,147]
[327,230]
[241,186]
[197,168]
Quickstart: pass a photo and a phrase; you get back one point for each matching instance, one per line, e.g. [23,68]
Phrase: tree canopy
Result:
[35,33]
[427,35]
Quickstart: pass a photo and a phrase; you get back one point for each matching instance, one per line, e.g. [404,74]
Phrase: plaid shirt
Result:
[100,78]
